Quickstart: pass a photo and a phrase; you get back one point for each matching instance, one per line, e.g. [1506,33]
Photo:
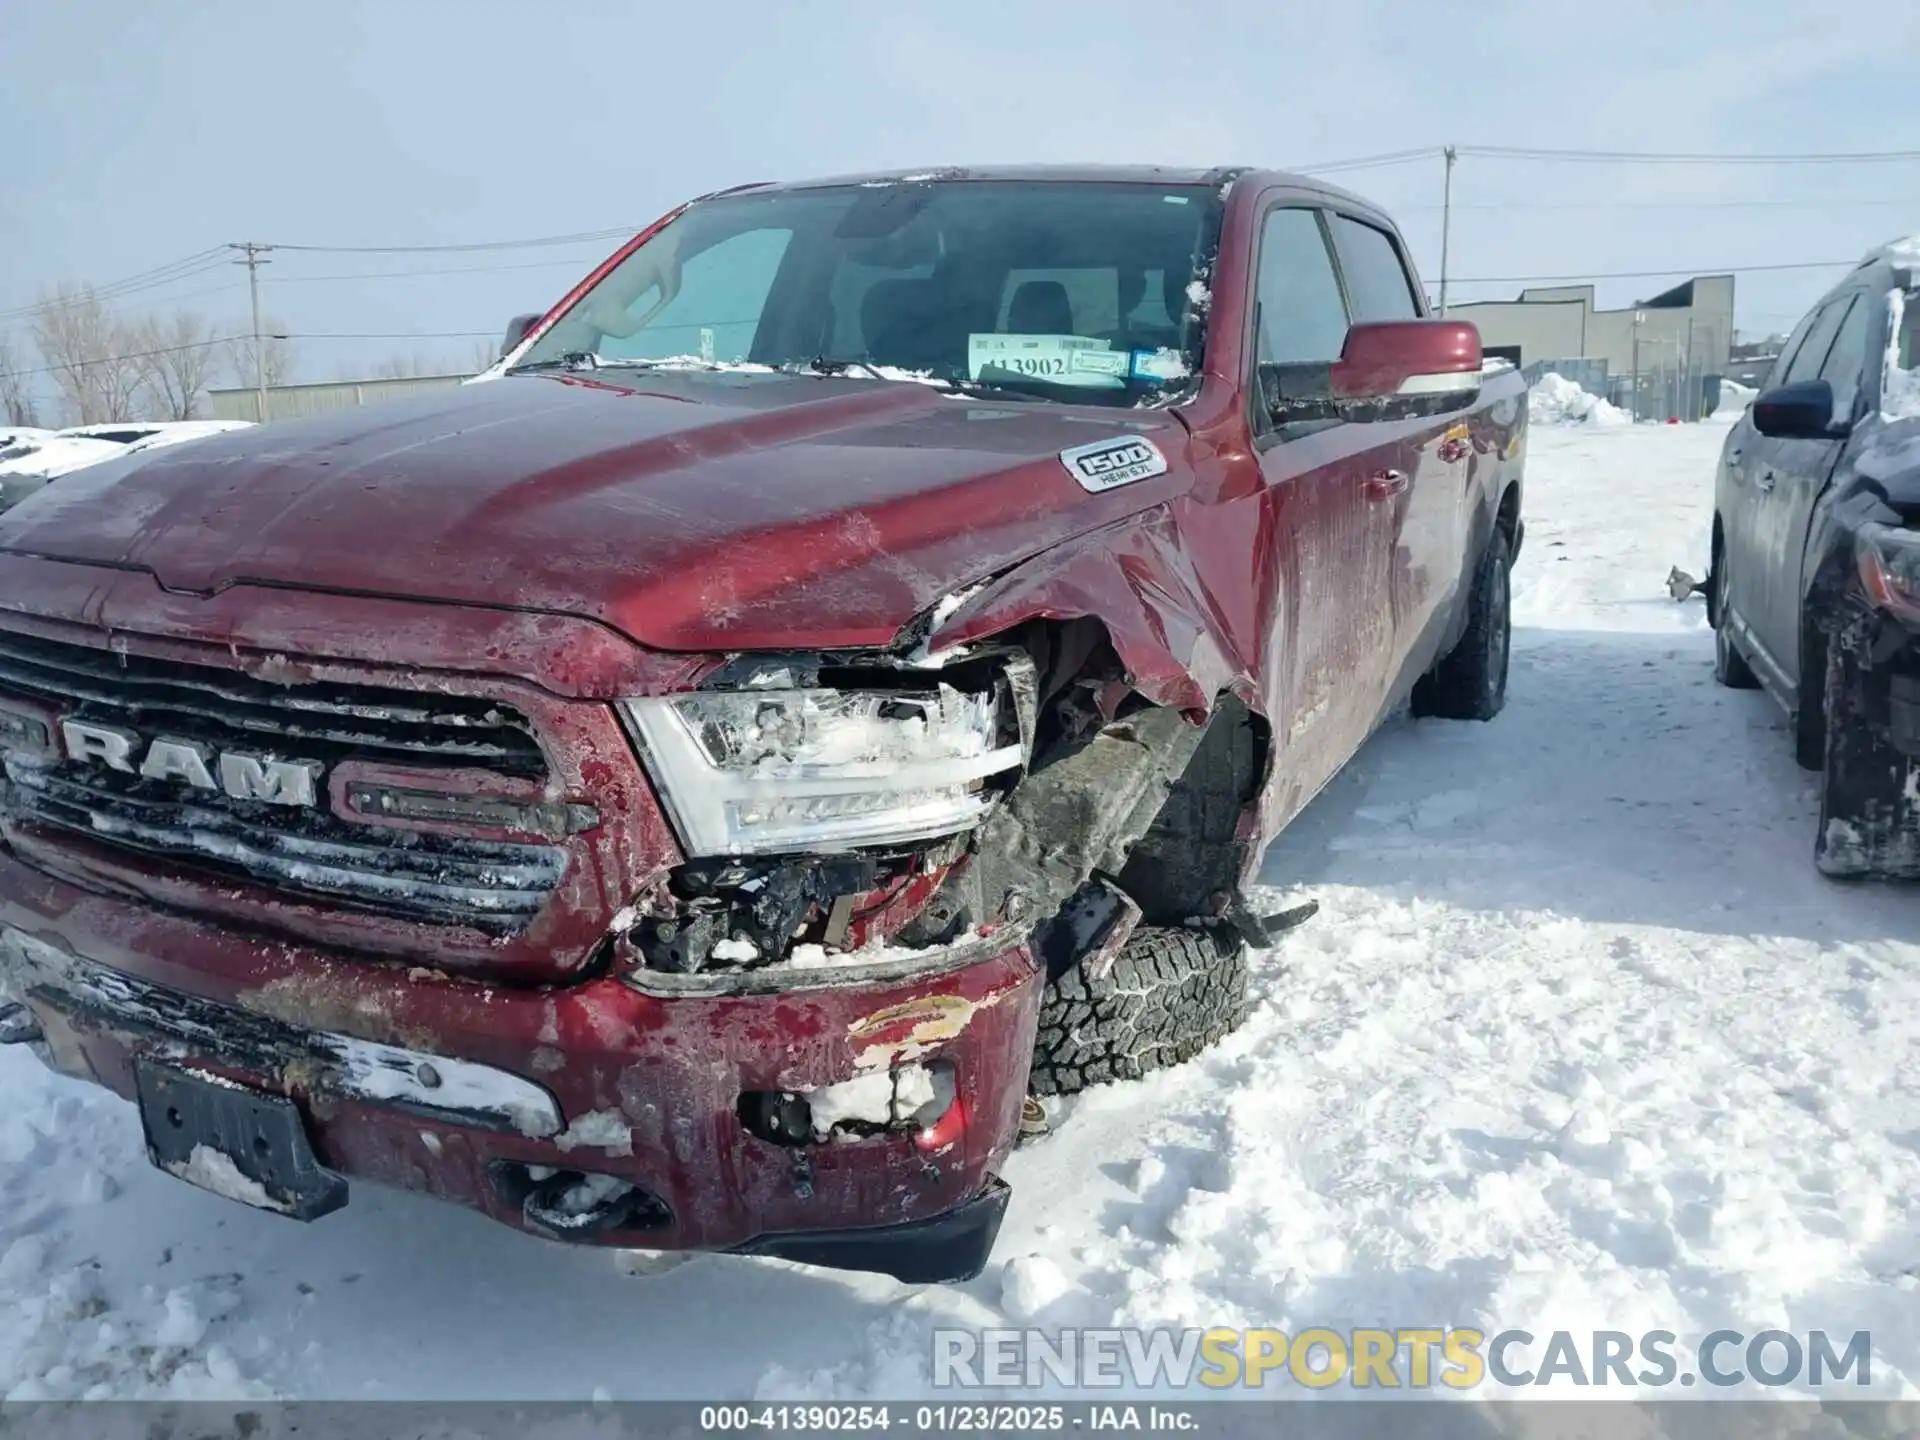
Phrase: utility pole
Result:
[1638,316]
[1446,222]
[251,253]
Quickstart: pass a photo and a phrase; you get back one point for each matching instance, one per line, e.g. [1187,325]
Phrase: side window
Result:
[1847,360]
[1302,317]
[723,291]
[1790,351]
[1377,284]
[1813,352]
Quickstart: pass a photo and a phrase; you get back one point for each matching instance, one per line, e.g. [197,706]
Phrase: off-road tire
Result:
[1170,994]
[1471,682]
[1730,667]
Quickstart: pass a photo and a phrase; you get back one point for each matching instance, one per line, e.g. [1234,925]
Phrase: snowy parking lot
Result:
[1579,1040]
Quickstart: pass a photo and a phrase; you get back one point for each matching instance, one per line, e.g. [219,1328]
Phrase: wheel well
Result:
[1193,850]
[1507,518]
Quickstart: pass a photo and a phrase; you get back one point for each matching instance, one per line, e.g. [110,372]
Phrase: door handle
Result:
[1766,480]
[1733,455]
[1384,484]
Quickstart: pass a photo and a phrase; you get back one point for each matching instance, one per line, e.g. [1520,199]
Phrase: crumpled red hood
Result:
[689,511]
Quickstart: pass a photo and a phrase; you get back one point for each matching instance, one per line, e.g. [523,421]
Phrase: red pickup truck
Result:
[826,687]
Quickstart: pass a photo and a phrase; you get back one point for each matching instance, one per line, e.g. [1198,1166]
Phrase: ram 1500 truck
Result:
[827,687]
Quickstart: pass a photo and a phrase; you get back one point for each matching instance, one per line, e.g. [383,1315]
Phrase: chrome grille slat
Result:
[302,853]
[459,730]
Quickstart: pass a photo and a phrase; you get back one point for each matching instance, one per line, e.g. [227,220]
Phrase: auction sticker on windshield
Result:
[1058,359]
[1106,464]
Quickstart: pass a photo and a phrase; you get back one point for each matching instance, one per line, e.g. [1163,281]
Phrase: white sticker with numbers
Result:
[1057,359]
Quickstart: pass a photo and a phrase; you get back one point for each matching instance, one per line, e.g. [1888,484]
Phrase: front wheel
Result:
[1171,992]
[1471,682]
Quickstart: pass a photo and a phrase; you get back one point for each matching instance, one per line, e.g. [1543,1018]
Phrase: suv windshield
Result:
[1074,291]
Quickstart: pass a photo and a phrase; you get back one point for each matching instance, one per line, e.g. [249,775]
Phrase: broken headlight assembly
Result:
[1889,565]
[810,770]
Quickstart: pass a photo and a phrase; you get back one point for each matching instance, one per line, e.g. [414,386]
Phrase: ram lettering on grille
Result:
[242,776]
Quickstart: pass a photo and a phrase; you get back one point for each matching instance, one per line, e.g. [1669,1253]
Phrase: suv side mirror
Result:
[1800,411]
[517,329]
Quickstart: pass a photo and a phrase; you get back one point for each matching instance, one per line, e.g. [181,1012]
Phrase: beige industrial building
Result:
[1689,327]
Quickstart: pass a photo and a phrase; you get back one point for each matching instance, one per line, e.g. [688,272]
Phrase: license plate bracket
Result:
[242,1144]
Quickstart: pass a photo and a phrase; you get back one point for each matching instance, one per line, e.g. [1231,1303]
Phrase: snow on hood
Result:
[58,455]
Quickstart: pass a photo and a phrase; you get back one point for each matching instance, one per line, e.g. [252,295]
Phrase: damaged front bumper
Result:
[1870,795]
[673,1117]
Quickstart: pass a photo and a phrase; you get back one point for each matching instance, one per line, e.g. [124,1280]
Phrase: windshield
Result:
[1091,293]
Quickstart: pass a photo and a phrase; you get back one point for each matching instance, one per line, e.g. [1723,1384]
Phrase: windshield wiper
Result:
[571,360]
[835,365]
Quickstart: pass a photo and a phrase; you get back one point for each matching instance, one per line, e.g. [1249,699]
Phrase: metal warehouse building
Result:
[1673,342]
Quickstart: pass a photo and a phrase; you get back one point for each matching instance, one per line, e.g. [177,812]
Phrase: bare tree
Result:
[406,367]
[16,390]
[89,350]
[482,355]
[275,348]
[177,357]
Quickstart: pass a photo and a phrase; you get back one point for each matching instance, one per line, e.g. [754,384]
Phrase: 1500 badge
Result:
[1107,463]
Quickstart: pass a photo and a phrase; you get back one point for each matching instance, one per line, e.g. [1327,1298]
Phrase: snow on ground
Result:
[1555,400]
[1579,1040]
[1734,397]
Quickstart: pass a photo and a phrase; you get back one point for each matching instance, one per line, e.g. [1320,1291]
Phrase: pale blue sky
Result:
[133,133]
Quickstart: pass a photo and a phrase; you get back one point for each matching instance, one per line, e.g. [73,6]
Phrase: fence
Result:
[1659,392]
[292,402]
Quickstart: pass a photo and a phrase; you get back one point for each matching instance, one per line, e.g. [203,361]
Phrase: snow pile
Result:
[1556,400]
[1900,395]
[1734,397]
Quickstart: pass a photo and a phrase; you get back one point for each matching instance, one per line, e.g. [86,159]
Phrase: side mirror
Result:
[1407,359]
[517,329]
[1800,411]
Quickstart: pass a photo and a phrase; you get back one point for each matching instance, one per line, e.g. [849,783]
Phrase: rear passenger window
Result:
[1302,317]
[1377,284]
[1813,352]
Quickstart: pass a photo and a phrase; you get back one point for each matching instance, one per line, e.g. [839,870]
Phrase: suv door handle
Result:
[1766,480]
[1384,484]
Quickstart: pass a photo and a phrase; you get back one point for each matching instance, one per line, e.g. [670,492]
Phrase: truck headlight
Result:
[768,771]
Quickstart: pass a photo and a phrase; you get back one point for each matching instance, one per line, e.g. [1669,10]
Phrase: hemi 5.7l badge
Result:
[1108,463]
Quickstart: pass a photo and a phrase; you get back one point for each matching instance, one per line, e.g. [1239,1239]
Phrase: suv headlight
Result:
[759,771]
[1889,564]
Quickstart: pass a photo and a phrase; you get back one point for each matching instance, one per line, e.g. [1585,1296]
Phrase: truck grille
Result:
[302,852]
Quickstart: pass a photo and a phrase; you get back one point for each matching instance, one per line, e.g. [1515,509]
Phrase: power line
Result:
[1656,274]
[1369,162]
[130,355]
[182,269]
[1688,157]
[623,232]
[439,270]
[1808,204]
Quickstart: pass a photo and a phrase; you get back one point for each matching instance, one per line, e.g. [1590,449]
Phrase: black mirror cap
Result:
[1800,411]
[517,329]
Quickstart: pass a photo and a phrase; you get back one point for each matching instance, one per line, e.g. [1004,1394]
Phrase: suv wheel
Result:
[1170,993]
[1471,683]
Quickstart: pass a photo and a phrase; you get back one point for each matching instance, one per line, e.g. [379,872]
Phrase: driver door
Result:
[1328,512]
